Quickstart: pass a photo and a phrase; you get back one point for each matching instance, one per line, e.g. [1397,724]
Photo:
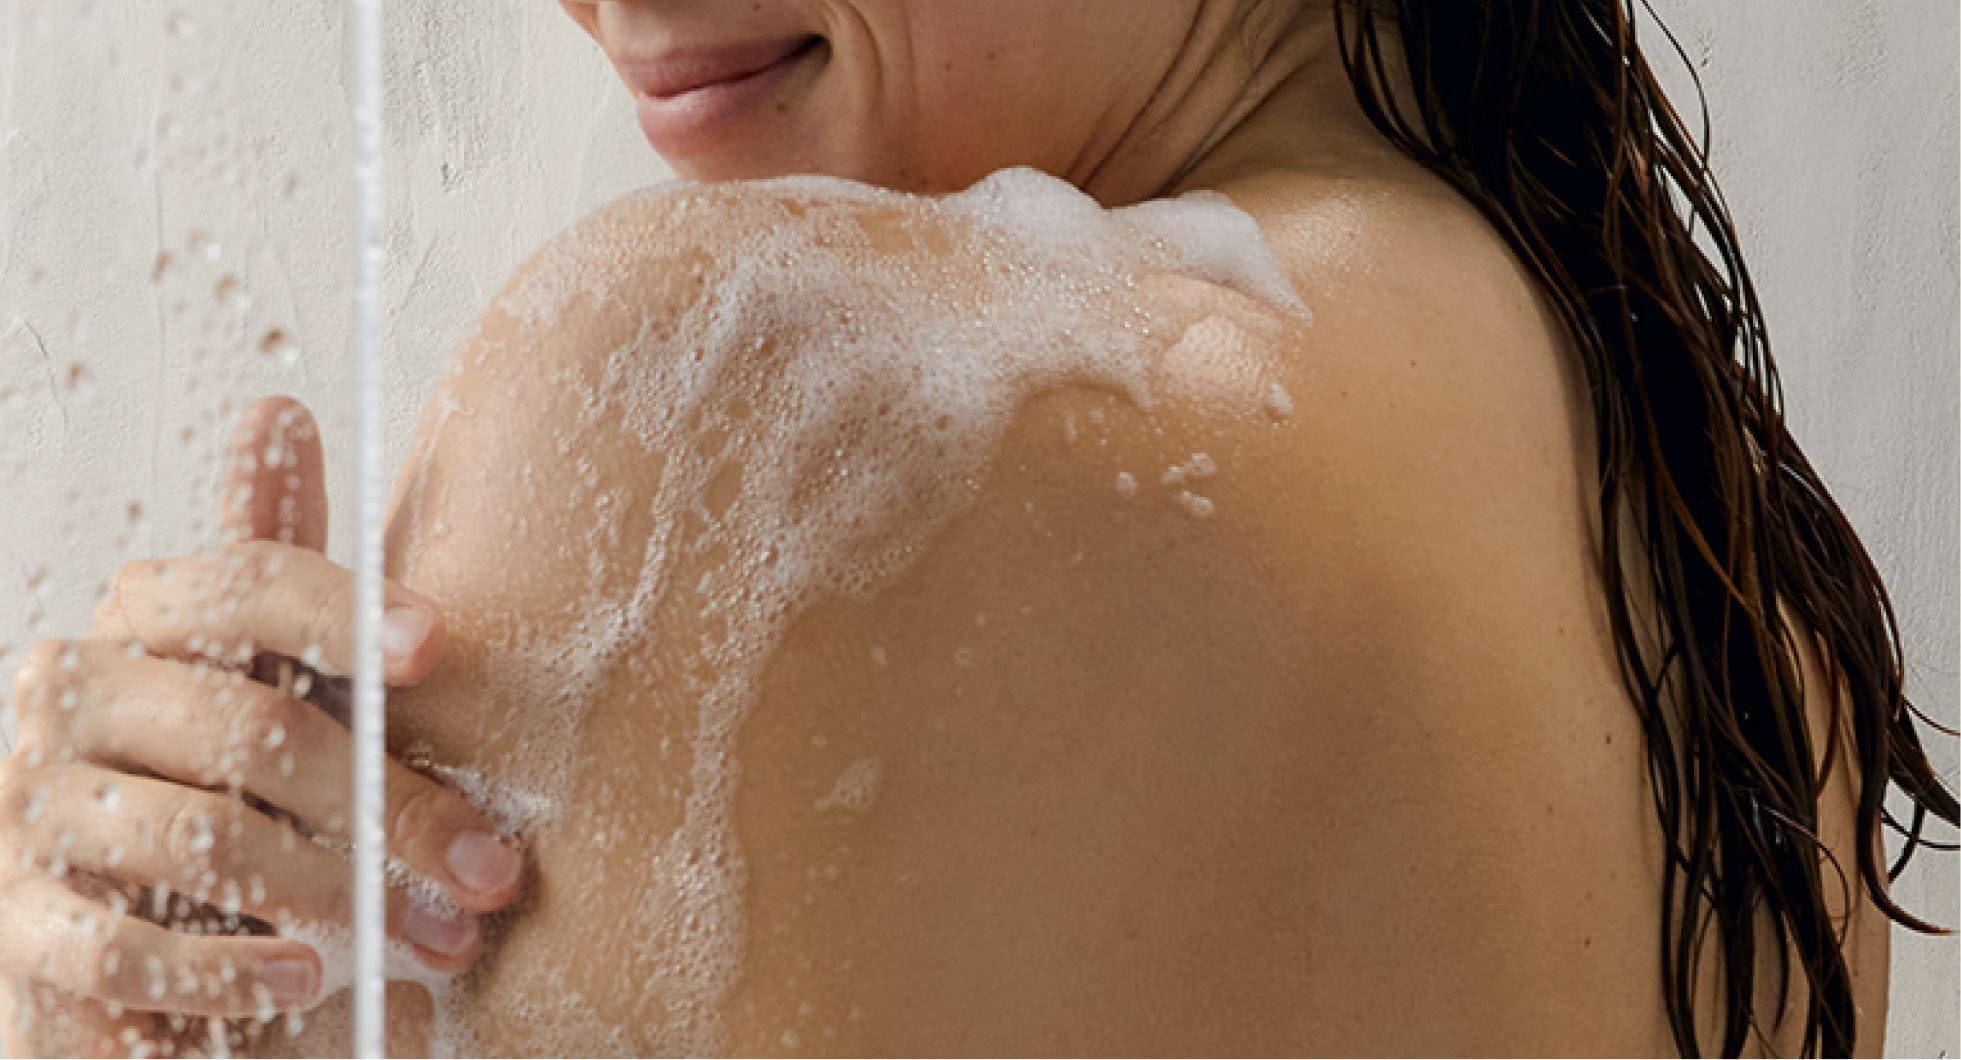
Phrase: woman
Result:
[1307,777]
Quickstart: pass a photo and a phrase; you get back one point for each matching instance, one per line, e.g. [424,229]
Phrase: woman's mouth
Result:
[689,97]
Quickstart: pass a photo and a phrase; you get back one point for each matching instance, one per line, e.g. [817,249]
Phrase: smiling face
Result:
[924,95]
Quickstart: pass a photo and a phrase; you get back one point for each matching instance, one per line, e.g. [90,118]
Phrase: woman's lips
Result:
[688,97]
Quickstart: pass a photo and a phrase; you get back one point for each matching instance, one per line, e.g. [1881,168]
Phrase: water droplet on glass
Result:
[201,835]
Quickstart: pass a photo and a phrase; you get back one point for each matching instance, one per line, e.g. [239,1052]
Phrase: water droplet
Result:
[1201,466]
[201,836]
[1200,507]
[1126,484]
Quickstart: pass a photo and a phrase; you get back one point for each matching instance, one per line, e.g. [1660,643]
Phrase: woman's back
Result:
[1290,726]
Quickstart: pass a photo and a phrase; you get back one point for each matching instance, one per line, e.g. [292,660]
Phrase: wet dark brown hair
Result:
[1546,115]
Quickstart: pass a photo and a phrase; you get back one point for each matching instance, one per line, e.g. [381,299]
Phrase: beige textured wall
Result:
[217,132]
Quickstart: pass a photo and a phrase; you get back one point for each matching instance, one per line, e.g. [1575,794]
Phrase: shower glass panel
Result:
[178,217]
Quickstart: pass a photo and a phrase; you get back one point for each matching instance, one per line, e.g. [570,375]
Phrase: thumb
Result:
[275,478]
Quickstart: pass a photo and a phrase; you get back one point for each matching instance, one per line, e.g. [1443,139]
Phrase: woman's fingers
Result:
[263,596]
[276,485]
[63,1024]
[52,936]
[217,730]
[212,849]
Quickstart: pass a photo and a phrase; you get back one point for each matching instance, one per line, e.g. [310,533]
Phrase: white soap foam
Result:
[834,395]
[335,945]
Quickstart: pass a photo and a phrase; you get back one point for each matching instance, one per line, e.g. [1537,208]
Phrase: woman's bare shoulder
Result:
[1293,573]
[1390,489]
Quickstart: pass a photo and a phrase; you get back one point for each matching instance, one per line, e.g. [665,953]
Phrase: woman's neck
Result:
[1247,98]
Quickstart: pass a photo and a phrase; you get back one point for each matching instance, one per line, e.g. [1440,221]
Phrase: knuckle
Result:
[329,610]
[22,802]
[419,818]
[131,580]
[98,964]
[109,616]
[47,670]
[189,833]
[232,576]
[250,719]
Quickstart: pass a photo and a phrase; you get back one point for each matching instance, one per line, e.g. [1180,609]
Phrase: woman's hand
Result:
[175,799]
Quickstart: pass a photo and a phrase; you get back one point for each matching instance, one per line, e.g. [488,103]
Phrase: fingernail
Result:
[433,931]
[403,629]
[483,863]
[290,980]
